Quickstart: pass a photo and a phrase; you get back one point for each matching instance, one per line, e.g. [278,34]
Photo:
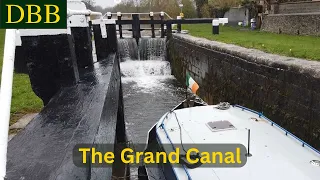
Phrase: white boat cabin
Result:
[275,153]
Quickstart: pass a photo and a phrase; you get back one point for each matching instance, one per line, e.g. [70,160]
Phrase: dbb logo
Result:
[33,14]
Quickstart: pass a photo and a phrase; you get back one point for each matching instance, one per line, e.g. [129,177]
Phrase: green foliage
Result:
[188,9]
[252,6]
[306,47]
[24,100]
[200,9]
[224,4]
[172,8]
[205,11]
[219,7]
[125,6]
[244,2]
[169,6]
[136,6]
[89,3]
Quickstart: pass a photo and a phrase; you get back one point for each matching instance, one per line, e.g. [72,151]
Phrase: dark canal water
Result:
[149,91]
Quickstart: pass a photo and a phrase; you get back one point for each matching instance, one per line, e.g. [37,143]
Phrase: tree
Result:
[89,4]
[124,6]
[252,6]
[224,4]
[169,6]
[199,4]
[188,9]
[205,11]
[172,8]
[97,8]
[219,7]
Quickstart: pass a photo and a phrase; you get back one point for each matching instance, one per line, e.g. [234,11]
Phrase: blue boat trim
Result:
[173,147]
[260,114]
[273,123]
[164,117]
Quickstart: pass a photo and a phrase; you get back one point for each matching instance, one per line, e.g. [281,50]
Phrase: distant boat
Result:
[274,153]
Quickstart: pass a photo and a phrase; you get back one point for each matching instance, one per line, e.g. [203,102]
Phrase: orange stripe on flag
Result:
[195,87]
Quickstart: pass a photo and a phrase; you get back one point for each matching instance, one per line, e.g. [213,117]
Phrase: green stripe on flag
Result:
[187,79]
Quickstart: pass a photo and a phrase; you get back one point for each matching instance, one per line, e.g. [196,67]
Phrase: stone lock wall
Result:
[287,90]
[299,7]
[298,18]
[297,24]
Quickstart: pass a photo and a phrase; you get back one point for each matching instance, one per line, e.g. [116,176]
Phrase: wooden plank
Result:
[43,150]
[172,21]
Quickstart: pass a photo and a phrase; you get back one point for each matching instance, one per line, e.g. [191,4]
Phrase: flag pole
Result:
[192,85]
[186,92]
[187,102]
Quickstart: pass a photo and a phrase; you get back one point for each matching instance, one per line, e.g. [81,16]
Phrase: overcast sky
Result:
[106,3]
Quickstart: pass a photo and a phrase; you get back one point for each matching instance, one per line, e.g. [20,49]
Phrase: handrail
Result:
[139,13]
[71,12]
[173,146]
[169,21]
[303,143]
[5,96]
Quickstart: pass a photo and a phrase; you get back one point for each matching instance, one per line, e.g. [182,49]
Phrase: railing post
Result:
[120,26]
[136,27]
[90,28]
[99,40]
[20,65]
[162,24]
[5,96]
[112,37]
[90,23]
[83,45]
[78,21]
[215,26]
[51,58]
[179,24]
[169,37]
[152,25]
[109,15]
[169,30]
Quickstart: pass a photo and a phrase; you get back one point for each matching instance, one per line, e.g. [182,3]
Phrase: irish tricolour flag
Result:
[192,84]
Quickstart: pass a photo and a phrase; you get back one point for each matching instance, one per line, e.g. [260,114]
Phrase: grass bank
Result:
[24,100]
[306,47]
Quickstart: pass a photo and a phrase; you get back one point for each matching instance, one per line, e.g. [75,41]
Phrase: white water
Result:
[128,49]
[146,75]
[149,89]
[149,49]
[152,48]
[145,68]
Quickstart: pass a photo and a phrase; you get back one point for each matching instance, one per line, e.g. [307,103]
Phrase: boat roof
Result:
[276,153]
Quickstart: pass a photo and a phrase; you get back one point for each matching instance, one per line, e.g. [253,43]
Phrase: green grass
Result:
[24,100]
[306,47]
